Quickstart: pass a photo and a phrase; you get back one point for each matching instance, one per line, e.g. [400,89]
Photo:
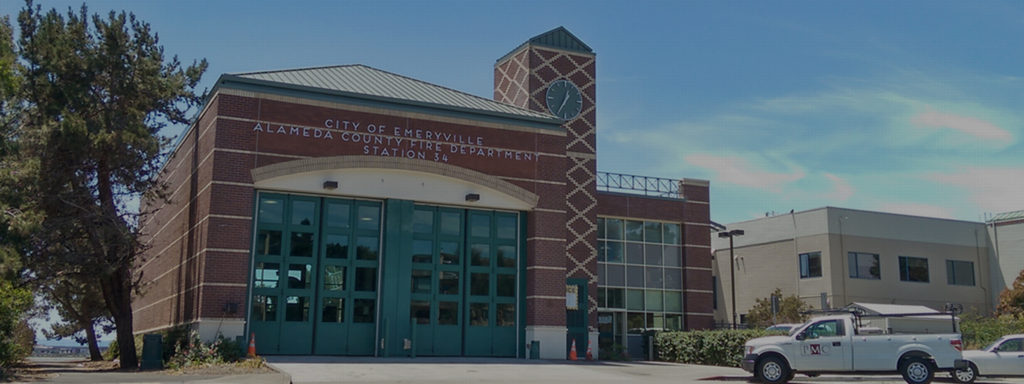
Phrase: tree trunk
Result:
[94,348]
[117,293]
[117,284]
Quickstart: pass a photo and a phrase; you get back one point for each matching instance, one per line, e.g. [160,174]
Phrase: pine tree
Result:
[96,92]
[16,337]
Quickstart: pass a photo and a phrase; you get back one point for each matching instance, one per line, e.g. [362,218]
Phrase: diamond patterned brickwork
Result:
[511,79]
[544,66]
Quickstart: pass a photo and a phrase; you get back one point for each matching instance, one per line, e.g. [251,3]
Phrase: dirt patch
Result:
[32,371]
[239,368]
[100,365]
[22,375]
[29,371]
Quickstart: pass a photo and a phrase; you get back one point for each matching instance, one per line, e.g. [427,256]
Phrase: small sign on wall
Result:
[572,297]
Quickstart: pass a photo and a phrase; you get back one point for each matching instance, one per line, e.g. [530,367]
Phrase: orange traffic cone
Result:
[590,354]
[252,345]
[572,351]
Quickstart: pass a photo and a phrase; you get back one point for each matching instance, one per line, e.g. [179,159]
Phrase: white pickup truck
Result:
[835,344]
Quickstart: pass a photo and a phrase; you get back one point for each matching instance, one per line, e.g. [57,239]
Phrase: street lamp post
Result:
[732,268]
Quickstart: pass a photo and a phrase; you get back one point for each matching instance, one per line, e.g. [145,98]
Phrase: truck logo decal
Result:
[815,349]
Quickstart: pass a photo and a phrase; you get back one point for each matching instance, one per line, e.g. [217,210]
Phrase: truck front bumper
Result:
[748,362]
[961,364]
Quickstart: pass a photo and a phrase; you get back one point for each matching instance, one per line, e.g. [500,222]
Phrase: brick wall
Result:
[174,233]
[198,263]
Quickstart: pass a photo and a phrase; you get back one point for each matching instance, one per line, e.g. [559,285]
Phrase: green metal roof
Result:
[1007,216]
[558,38]
[561,38]
[363,82]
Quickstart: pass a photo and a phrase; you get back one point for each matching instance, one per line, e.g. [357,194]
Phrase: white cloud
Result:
[841,189]
[738,171]
[976,127]
[917,209]
[991,189]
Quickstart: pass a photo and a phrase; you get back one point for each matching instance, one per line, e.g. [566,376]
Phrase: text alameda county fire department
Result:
[394,141]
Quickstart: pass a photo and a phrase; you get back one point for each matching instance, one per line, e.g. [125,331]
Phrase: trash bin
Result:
[152,352]
[535,350]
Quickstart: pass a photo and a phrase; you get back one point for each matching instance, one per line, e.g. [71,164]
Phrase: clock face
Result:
[564,99]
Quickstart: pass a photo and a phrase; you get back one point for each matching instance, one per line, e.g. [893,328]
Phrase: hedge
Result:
[981,331]
[719,347]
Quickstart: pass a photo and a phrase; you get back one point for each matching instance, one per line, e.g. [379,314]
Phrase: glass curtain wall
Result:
[640,272]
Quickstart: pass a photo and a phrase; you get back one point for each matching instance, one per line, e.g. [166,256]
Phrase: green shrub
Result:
[614,352]
[229,350]
[14,304]
[193,352]
[719,347]
[981,331]
[172,338]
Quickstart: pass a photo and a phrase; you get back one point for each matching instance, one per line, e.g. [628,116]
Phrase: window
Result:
[827,328]
[810,265]
[639,267]
[959,272]
[1012,345]
[913,269]
[864,266]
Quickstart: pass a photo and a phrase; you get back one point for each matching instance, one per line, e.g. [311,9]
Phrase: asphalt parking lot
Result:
[306,369]
[311,369]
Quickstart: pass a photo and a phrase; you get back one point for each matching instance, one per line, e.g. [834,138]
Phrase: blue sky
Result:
[911,106]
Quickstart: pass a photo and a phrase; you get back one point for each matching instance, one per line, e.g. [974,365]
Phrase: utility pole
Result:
[732,268]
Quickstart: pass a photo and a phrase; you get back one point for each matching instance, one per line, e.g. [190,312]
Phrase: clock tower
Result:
[554,72]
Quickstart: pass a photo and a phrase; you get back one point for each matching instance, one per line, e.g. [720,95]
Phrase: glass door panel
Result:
[266,314]
[435,281]
[299,283]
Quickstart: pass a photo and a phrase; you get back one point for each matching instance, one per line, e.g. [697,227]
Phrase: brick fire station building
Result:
[347,210]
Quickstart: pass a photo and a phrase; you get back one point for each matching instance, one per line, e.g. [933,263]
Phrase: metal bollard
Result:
[650,347]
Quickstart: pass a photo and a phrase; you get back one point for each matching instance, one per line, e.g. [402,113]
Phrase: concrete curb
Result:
[259,378]
[286,377]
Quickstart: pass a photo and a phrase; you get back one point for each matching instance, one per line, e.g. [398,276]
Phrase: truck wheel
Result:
[773,370]
[967,375]
[916,370]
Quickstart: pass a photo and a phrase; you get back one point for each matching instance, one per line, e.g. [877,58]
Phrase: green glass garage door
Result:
[491,285]
[315,275]
[353,277]
[436,278]
[463,282]
[350,249]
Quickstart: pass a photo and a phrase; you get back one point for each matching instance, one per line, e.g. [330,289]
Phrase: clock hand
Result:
[565,98]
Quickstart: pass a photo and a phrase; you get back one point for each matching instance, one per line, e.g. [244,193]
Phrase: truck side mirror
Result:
[801,336]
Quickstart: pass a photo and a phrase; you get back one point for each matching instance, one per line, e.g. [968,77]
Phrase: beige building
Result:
[839,256]
[1006,239]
